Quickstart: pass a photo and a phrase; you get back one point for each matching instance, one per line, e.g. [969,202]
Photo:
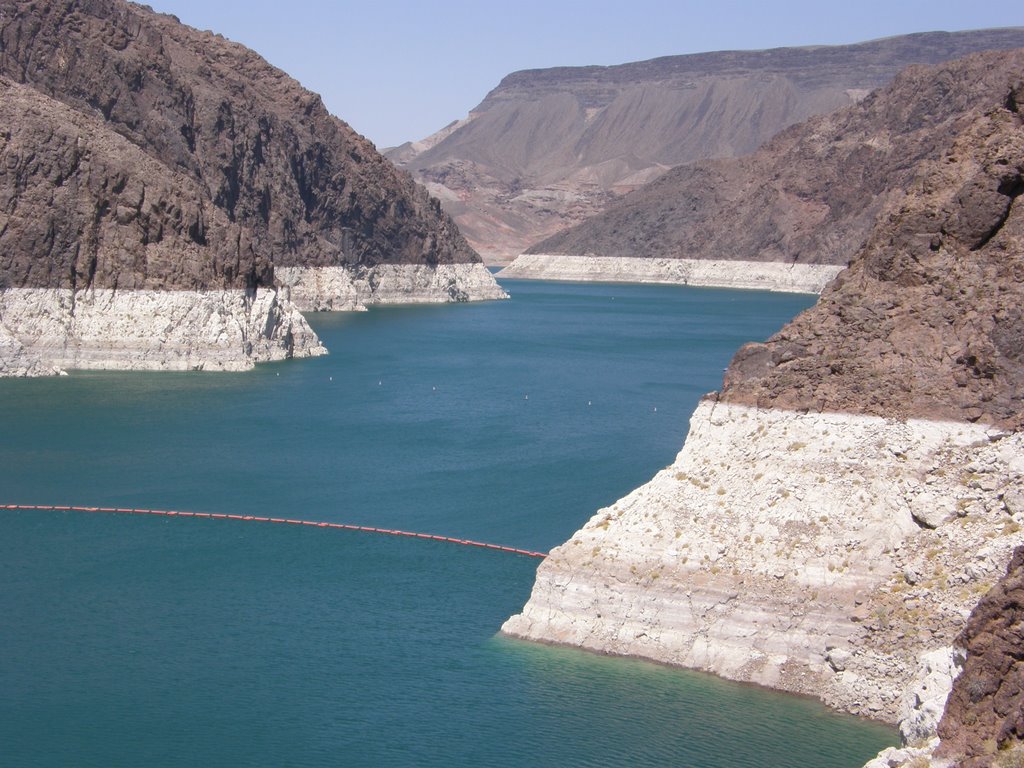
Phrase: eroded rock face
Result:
[140,156]
[926,322]
[83,207]
[780,548]
[152,330]
[812,194]
[308,189]
[985,710]
[355,288]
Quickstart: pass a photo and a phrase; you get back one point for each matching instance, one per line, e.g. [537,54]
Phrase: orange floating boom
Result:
[253,519]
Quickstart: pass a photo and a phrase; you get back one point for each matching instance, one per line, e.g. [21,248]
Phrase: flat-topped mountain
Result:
[548,148]
[811,194]
[141,155]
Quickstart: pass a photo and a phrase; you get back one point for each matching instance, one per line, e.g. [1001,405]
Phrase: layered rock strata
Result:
[750,275]
[812,552]
[83,207]
[548,148]
[15,360]
[140,155]
[812,194]
[927,320]
[228,330]
[356,288]
[840,507]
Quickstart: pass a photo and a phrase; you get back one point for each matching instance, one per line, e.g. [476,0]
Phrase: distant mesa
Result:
[169,200]
[794,212]
[546,149]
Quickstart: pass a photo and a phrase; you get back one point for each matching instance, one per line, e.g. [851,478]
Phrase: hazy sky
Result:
[399,71]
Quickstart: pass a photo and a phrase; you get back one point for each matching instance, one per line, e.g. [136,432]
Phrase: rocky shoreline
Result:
[711,273]
[49,330]
[153,179]
[46,331]
[355,288]
[840,508]
[821,554]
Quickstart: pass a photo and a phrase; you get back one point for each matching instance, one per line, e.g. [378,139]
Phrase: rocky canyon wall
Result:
[840,507]
[548,148]
[139,155]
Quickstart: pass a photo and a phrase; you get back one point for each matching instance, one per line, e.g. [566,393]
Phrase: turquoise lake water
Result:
[137,641]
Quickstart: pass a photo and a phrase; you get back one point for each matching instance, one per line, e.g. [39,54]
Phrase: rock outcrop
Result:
[985,710]
[927,321]
[839,508]
[354,288]
[983,698]
[100,328]
[140,155]
[809,196]
[784,549]
[549,148]
[108,259]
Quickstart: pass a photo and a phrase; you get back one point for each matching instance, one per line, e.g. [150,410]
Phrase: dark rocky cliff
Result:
[83,206]
[547,148]
[811,194]
[985,710]
[927,320]
[217,137]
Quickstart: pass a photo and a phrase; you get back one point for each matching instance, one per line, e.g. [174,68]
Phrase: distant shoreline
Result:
[715,273]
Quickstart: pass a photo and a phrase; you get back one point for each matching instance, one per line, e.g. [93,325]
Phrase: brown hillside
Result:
[927,321]
[548,148]
[301,187]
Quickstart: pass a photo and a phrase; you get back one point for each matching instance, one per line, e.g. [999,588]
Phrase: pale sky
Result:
[400,70]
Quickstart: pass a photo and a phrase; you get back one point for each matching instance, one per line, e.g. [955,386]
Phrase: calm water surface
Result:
[156,642]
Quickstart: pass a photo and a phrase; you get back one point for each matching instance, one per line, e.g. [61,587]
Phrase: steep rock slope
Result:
[220,154]
[810,196]
[548,148]
[983,722]
[985,711]
[839,508]
[110,259]
[927,321]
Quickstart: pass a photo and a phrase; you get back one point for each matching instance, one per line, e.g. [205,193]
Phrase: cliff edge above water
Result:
[840,507]
[141,155]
